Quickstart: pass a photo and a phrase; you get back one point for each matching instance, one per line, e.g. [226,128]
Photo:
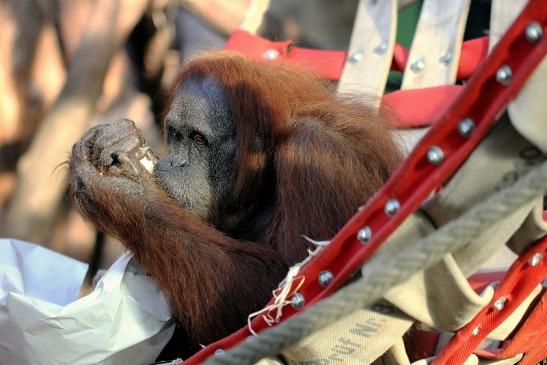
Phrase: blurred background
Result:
[66,65]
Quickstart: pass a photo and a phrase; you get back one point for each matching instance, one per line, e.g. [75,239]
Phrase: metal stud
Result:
[364,235]
[466,127]
[500,303]
[325,277]
[475,331]
[435,155]
[418,65]
[271,54]
[504,75]
[219,352]
[536,259]
[355,57]
[297,301]
[392,207]
[381,48]
[382,308]
[534,32]
[446,58]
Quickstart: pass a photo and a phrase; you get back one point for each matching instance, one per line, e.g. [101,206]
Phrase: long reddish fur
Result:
[328,155]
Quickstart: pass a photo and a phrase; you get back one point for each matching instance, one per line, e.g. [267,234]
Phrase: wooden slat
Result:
[437,44]
[254,15]
[502,14]
[371,48]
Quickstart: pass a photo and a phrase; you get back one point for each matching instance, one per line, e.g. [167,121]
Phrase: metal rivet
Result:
[536,259]
[364,235]
[475,331]
[418,65]
[435,155]
[534,32]
[381,48]
[382,308]
[355,57]
[219,352]
[446,58]
[500,303]
[325,277]
[271,54]
[503,75]
[392,207]
[297,301]
[466,127]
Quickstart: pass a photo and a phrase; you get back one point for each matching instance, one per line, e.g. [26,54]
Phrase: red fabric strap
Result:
[329,64]
[481,280]
[416,108]
[420,107]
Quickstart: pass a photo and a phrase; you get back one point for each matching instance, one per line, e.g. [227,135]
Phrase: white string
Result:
[272,313]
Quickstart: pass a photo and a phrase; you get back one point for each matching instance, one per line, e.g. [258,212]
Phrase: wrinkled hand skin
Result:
[105,162]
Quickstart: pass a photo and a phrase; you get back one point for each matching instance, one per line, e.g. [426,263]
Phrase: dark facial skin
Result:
[200,136]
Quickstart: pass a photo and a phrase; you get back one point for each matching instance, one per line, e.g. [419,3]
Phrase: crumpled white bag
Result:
[125,320]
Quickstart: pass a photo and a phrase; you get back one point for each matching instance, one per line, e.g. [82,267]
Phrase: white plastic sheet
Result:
[125,320]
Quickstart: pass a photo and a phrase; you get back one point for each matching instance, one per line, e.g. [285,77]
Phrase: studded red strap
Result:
[526,273]
[486,94]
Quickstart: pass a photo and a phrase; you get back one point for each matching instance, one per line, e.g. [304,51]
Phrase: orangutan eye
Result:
[174,134]
[198,138]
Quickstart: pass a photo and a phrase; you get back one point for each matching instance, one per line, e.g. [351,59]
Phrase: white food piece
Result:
[149,160]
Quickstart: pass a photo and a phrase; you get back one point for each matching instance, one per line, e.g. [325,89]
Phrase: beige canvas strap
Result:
[436,47]
[254,15]
[435,53]
[532,228]
[529,110]
[359,338]
[396,355]
[502,14]
[270,361]
[371,48]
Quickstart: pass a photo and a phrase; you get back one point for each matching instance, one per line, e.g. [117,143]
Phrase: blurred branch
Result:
[39,191]
[229,15]
[226,17]
[29,18]
[162,13]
